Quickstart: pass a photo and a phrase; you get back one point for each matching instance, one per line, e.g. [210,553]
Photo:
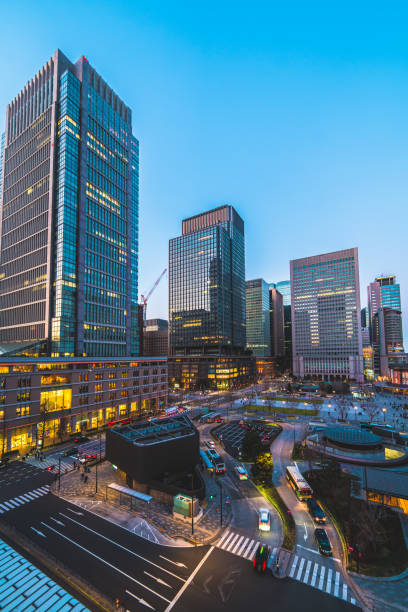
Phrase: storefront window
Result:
[57,399]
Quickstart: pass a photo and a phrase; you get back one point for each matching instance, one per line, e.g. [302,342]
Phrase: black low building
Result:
[160,454]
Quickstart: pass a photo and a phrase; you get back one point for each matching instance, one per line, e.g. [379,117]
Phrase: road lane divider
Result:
[140,600]
[159,580]
[189,579]
[117,569]
[124,547]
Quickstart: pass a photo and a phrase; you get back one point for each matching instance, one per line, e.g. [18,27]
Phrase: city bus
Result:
[211,417]
[218,463]
[298,483]
[205,461]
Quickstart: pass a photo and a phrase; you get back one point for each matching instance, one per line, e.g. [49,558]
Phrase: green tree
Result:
[251,445]
[263,468]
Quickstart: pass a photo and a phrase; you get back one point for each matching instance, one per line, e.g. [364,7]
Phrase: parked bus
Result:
[205,461]
[298,483]
[211,417]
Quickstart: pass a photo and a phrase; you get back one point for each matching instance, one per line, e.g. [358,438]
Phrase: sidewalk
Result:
[206,529]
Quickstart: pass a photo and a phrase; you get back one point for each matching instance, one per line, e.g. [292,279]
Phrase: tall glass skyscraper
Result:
[326,322]
[207,285]
[69,217]
[258,335]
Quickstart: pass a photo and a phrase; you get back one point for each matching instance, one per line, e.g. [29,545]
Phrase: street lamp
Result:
[384,411]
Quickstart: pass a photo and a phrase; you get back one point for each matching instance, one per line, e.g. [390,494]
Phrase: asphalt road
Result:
[18,478]
[227,582]
[115,561]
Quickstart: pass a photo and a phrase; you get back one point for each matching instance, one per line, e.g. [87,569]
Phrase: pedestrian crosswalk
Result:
[15,502]
[238,544]
[23,587]
[320,576]
[323,574]
[51,463]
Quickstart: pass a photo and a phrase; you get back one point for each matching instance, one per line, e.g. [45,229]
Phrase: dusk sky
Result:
[295,113]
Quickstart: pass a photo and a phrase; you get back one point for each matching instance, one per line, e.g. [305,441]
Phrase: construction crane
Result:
[145,299]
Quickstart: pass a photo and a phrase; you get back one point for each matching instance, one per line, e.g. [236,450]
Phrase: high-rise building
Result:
[326,324]
[276,313]
[155,337]
[365,321]
[69,217]
[390,292]
[69,262]
[207,285]
[387,339]
[284,289]
[257,318]
[207,302]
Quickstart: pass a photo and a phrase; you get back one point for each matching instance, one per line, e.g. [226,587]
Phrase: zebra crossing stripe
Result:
[322,572]
[328,583]
[352,601]
[223,538]
[344,591]
[253,551]
[306,576]
[227,540]
[234,539]
[246,551]
[301,564]
[243,546]
[336,585]
[314,576]
[292,569]
[234,550]
[7,504]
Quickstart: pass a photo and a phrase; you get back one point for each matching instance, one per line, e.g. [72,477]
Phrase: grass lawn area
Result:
[376,530]
[289,527]
[283,410]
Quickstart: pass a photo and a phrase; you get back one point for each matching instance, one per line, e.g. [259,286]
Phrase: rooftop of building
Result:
[82,360]
[156,431]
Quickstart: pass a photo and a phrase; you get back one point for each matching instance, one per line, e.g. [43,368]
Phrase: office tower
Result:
[365,321]
[326,324]
[69,217]
[69,262]
[387,339]
[284,289]
[276,313]
[383,292]
[207,284]
[156,338]
[258,338]
[207,301]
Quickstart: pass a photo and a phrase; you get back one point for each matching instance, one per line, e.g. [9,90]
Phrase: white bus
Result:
[298,483]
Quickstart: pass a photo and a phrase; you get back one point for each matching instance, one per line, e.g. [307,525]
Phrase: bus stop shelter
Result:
[123,496]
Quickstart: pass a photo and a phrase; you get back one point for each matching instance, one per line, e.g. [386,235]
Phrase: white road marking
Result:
[140,600]
[344,595]
[124,548]
[336,584]
[57,521]
[39,532]
[243,546]
[225,543]
[159,580]
[292,569]
[189,579]
[74,512]
[307,571]
[314,576]
[322,572]
[223,537]
[234,539]
[178,563]
[104,561]
[301,564]
[250,550]
[352,601]
[234,550]
[329,580]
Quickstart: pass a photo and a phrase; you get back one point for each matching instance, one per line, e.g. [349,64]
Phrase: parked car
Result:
[210,444]
[81,439]
[86,459]
[323,542]
[316,511]
[263,552]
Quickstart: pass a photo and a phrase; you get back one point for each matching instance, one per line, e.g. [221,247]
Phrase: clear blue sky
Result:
[295,113]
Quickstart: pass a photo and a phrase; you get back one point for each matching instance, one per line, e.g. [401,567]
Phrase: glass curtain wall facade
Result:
[326,323]
[258,335]
[207,285]
[69,227]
